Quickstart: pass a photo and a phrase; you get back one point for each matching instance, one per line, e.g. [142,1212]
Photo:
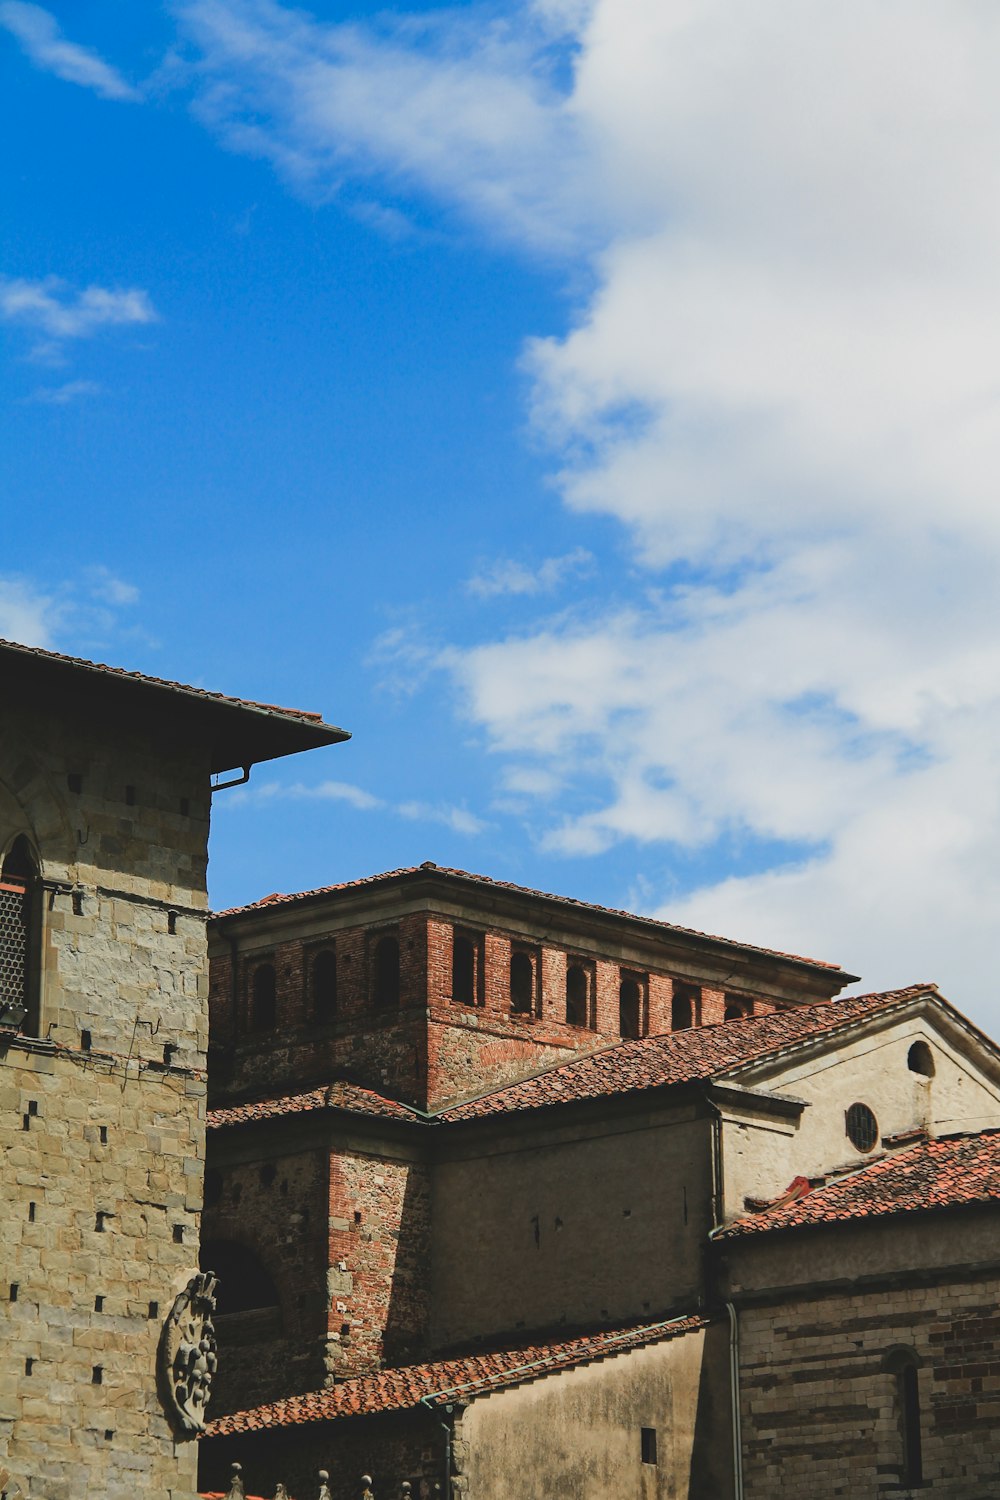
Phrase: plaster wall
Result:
[762,1155]
[579,1432]
[570,1224]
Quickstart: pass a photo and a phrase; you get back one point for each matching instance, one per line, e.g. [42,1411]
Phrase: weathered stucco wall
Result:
[763,1155]
[574,1223]
[98,1118]
[579,1433]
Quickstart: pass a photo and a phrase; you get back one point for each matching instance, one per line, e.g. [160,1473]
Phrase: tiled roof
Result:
[119,673]
[340,1095]
[950,1173]
[279,899]
[701,1052]
[447,1379]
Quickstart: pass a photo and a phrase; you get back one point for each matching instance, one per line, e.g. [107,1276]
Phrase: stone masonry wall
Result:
[104,1113]
[821,1412]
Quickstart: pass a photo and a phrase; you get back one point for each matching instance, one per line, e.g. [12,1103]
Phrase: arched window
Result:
[264,999]
[683,1006]
[522,984]
[385,972]
[630,1007]
[904,1365]
[463,970]
[18,916]
[576,995]
[324,984]
[736,1008]
[920,1059]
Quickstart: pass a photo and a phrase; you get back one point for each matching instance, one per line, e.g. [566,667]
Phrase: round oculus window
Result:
[862,1127]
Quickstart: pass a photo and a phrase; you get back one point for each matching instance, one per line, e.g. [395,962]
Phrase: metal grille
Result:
[862,1127]
[13,944]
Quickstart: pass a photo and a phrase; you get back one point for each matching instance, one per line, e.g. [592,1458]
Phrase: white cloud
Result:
[324,791]
[50,307]
[458,819]
[38,33]
[28,614]
[465,104]
[108,588]
[504,576]
[65,394]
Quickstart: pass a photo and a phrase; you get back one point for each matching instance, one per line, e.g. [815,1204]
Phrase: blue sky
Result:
[591,404]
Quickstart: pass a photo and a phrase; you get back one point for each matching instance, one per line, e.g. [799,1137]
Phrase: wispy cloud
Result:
[458,819]
[51,307]
[504,576]
[42,40]
[63,614]
[65,394]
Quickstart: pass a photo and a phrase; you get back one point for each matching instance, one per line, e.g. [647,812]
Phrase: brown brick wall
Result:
[821,1412]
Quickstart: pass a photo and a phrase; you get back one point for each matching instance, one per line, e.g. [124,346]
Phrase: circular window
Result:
[862,1127]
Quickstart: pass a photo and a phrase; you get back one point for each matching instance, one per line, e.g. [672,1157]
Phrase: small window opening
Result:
[99,1303]
[324,985]
[647,1444]
[14,1288]
[103,1132]
[154,1310]
[862,1127]
[171,924]
[904,1365]
[264,999]
[85,1041]
[169,1048]
[108,1434]
[684,1006]
[463,969]
[31,1213]
[77,903]
[737,1008]
[29,1366]
[97,1375]
[920,1059]
[385,986]
[576,995]
[268,1173]
[178,1234]
[522,984]
[630,1007]
[100,1221]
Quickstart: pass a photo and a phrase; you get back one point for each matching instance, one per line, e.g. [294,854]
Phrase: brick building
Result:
[471,1148]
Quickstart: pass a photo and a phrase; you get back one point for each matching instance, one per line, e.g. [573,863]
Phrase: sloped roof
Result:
[409,872]
[448,1379]
[240,730]
[340,1095]
[701,1052]
[951,1172]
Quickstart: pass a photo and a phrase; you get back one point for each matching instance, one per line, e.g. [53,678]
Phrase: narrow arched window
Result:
[324,984]
[18,979]
[630,1008]
[522,984]
[737,1008]
[904,1365]
[385,972]
[463,970]
[576,995]
[264,998]
[683,1007]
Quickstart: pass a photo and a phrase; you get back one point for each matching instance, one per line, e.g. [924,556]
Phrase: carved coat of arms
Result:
[188,1353]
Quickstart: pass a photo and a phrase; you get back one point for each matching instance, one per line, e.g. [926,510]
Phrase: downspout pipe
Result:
[446,1429]
[734,1392]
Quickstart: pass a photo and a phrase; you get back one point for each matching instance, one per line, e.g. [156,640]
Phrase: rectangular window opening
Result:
[97,1375]
[98,1303]
[648,1444]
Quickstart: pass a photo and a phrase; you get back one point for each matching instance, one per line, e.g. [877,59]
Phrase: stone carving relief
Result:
[189,1354]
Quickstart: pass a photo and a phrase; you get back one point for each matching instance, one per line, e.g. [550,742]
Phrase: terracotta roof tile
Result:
[701,1052]
[478,1374]
[277,899]
[339,1095]
[952,1172]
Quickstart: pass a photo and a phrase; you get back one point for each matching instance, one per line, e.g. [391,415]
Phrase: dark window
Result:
[577,994]
[522,984]
[920,1059]
[904,1365]
[630,1007]
[463,969]
[324,985]
[862,1127]
[385,985]
[647,1445]
[264,1001]
[683,1008]
[737,1008]
[17,884]
[244,1284]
